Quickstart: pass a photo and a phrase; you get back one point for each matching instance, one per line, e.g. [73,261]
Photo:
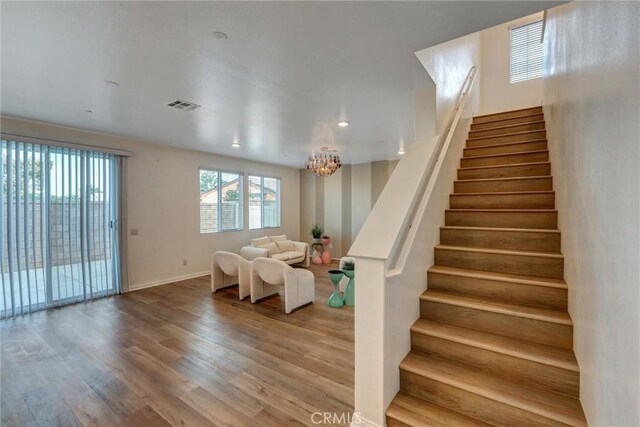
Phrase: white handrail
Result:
[401,250]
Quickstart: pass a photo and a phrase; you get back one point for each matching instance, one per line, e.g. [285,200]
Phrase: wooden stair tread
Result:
[499,251]
[479,303]
[544,403]
[500,277]
[506,135]
[554,356]
[524,118]
[505,210]
[497,193]
[505,166]
[509,178]
[418,412]
[516,153]
[508,126]
[510,111]
[504,143]
[524,230]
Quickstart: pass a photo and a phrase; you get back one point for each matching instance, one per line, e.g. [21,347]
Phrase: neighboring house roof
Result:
[211,196]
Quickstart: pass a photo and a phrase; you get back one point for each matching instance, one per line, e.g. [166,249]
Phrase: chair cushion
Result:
[282,256]
[260,241]
[285,245]
[293,255]
[271,247]
[278,238]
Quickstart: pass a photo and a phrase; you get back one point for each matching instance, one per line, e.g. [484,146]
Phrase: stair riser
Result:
[507,122]
[506,292]
[505,139]
[542,156]
[507,115]
[502,201]
[470,404]
[395,423]
[545,220]
[523,127]
[516,369]
[506,171]
[555,334]
[493,239]
[501,263]
[531,184]
[505,148]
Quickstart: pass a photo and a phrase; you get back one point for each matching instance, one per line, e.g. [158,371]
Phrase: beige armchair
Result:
[228,269]
[268,275]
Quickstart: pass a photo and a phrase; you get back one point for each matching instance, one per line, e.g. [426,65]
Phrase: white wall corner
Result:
[359,421]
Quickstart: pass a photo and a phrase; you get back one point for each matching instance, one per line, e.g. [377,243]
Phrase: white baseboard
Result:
[363,422]
[167,281]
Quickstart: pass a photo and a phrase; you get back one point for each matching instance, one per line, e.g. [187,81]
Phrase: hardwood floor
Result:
[178,355]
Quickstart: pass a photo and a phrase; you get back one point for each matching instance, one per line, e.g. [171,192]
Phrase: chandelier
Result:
[324,163]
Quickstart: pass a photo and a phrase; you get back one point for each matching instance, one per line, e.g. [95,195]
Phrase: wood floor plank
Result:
[179,355]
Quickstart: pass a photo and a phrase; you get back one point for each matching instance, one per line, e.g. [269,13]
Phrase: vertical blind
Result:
[526,52]
[59,243]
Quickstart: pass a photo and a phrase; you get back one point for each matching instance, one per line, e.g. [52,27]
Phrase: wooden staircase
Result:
[494,342]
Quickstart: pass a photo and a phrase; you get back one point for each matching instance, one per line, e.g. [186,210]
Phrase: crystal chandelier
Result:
[324,163]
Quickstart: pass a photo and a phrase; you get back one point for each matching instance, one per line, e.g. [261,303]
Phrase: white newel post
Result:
[370,404]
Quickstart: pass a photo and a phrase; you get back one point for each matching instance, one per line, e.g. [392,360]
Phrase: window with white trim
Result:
[220,201]
[264,202]
[525,52]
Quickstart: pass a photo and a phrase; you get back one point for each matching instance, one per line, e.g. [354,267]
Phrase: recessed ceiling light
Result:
[88,111]
[220,35]
[343,123]
[401,151]
[235,145]
[111,83]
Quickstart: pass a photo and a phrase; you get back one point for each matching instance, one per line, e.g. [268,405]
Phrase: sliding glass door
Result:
[59,226]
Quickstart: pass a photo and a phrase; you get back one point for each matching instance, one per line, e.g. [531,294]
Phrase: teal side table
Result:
[349,290]
[335,300]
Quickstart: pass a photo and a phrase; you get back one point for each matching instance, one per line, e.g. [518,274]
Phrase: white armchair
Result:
[268,275]
[280,248]
[228,269]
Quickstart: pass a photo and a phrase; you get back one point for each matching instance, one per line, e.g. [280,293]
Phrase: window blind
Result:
[525,52]
[58,228]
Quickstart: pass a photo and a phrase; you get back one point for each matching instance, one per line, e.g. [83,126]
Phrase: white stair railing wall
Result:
[393,251]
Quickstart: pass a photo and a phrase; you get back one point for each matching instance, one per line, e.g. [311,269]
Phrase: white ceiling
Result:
[279,84]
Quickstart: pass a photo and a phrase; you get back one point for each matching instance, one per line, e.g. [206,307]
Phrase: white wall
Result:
[333,211]
[448,65]
[592,111]
[342,201]
[307,204]
[360,196]
[390,302]
[163,199]
[498,94]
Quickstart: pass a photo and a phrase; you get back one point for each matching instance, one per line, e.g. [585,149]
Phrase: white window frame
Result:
[528,68]
[219,173]
[279,192]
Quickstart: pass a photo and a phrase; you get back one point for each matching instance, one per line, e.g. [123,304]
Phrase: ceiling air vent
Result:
[183,105]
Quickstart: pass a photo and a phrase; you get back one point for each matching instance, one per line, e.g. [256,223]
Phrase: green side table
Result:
[335,300]
[349,290]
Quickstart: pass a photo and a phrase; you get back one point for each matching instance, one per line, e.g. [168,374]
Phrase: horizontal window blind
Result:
[525,52]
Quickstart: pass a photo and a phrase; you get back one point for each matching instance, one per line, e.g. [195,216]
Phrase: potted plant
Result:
[348,268]
[316,232]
